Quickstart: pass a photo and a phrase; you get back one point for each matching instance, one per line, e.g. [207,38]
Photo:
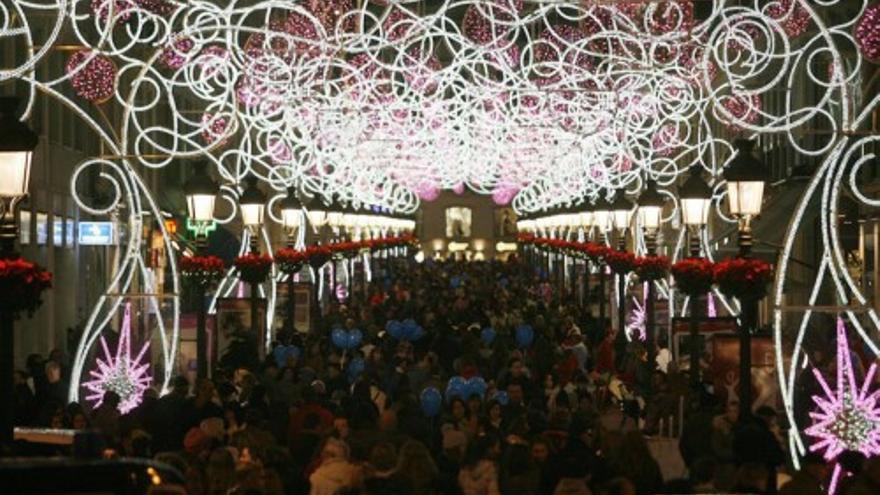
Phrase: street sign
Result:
[96,234]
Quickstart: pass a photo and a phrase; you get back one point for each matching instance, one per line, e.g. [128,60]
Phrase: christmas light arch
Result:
[538,103]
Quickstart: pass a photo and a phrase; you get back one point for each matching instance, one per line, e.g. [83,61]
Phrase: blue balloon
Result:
[354,338]
[476,386]
[355,367]
[457,387]
[280,355]
[431,401]
[524,335]
[394,328]
[455,281]
[339,337]
[501,397]
[488,335]
[417,333]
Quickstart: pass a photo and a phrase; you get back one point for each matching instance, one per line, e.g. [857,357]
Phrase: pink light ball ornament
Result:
[120,10]
[279,151]
[215,129]
[491,21]
[427,191]
[795,20]
[177,54]
[667,141]
[212,59]
[502,195]
[668,17]
[96,80]
[422,71]
[400,24]
[867,33]
[745,109]
[157,7]
[458,188]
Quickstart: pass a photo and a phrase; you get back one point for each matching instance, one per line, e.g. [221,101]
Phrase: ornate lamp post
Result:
[696,199]
[621,213]
[602,220]
[745,177]
[252,203]
[293,220]
[201,193]
[650,215]
[585,221]
[17,144]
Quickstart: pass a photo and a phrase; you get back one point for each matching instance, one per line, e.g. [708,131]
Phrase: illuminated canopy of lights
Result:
[848,415]
[386,103]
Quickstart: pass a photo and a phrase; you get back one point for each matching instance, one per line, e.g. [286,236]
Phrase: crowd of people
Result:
[314,425]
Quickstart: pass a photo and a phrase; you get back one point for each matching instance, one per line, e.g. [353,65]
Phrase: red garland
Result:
[202,270]
[345,248]
[289,260]
[743,278]
[253,268]
[318,255]
[596,252]
[21,286]
[652,267]
[621,262]
[693,276]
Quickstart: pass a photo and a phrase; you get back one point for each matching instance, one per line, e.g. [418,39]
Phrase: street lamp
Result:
[696,199]
[602,220]
[745,177]
[201,193]
[252,203]
[17,144]
[651,214]
[621,214]
[292,218]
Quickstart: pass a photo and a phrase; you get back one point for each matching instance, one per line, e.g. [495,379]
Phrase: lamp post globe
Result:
[252,203]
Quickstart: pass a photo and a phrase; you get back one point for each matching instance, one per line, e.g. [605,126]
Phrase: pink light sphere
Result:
[427,190]
[667,141]
[795,20]
[502,195]
[175,55]
[96,80]
[867,33]
[745,109]
[215,129]
[119,9]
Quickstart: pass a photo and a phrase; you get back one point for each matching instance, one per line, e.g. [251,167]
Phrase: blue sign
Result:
[96,234]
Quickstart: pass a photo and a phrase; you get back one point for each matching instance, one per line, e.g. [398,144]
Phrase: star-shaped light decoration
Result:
[848,416]
[128,377]
[637,322]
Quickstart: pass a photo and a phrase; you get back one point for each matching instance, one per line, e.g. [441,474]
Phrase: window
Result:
[70,233]
[24,227]
[57,231]
[458,221]
[42,228]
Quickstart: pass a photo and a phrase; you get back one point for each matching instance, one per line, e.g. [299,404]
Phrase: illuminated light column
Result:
[745,177]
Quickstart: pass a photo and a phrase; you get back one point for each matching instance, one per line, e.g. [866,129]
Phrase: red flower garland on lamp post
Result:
[21,286]
[743,278]
[253,268]
[694,276]
[620,262]
[203,271]
[290,261]
[651,268]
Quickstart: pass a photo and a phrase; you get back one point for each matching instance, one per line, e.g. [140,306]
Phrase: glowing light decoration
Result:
[848,415]
[120,372]
[559,101]
[93,75]
[636,324]
[867,33]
